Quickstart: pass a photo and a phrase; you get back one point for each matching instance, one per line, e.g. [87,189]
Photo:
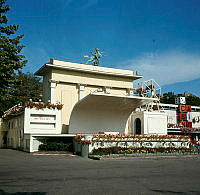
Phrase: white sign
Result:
[196,119]
[42,118]
[189,116]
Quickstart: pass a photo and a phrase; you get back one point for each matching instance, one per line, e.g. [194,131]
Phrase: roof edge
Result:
[88,68]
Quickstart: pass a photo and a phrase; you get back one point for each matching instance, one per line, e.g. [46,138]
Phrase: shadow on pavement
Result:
[2,192]
[175,192]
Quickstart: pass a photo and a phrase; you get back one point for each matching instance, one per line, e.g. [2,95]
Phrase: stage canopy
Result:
[99,112]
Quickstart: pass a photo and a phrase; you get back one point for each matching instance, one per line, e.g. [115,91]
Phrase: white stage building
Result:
[95,99]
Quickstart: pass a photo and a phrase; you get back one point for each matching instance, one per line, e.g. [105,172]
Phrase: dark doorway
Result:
[137,126]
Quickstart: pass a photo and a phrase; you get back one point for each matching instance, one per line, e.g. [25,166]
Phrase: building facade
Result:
[94,100]
[23,128]
[68,83]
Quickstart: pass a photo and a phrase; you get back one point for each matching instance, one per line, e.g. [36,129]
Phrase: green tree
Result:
[169,98]
[26,87]
[193,100]
[10,48]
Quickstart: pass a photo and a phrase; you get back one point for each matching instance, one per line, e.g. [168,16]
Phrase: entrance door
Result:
[137,126]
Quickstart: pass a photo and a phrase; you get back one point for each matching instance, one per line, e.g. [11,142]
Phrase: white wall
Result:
[32,121]
[196,124]
[151,122]
[171,116]
[15,126]
[1,134]
[156,123]
[42,121]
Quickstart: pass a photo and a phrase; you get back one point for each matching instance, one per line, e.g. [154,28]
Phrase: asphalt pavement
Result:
[24,173]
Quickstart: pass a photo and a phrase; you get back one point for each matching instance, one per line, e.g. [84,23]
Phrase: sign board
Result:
[185,108]
[180,100]
[42,118]
[185,116]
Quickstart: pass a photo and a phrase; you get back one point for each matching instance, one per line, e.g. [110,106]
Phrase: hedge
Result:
[120,150]
[54,146]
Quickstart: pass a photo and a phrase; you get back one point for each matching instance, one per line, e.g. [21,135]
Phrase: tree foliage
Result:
[169,98]
[26,87]
[10,48]
[193,100]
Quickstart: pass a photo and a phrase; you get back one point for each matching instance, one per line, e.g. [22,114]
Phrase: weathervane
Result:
[95,56]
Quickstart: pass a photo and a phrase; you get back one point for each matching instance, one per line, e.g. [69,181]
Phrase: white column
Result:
[129,92]
[53,91]
[107,90]
[81,91]
[31,144]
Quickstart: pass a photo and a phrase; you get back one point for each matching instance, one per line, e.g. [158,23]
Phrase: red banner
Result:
[185,124]
[185,108]
[183,116]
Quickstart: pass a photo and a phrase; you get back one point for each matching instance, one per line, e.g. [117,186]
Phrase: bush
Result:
[120,150]
[42,147]
[55,146]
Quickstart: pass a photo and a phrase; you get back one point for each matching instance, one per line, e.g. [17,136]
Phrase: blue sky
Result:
[158,38]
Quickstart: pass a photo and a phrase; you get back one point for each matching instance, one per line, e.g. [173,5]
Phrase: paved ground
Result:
[35,174]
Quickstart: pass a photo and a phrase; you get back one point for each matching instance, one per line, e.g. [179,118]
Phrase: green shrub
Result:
[55,146]
[120,150]
[42,147]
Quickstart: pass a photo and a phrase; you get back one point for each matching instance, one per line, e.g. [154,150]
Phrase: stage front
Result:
[104,113]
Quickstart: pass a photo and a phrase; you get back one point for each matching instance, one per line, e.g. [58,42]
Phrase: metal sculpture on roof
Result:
[94,58]
[151,89]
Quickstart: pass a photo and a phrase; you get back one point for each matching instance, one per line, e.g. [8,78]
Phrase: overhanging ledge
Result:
[104,112]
